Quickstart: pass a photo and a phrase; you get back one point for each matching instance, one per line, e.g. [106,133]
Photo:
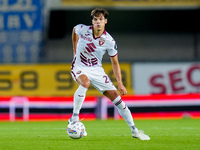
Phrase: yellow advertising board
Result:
[132,3]
[49,80]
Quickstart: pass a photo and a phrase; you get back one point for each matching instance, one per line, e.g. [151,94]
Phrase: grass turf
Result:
[102,135]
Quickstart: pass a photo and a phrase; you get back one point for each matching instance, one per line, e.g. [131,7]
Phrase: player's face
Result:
[99,22]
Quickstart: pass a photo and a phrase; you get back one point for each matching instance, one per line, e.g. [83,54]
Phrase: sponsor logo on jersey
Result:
[86,38]
[101,42]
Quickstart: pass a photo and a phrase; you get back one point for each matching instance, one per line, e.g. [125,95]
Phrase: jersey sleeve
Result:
[79,28]
[112,51]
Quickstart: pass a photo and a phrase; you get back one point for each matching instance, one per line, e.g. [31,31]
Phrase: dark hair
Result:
[97,11]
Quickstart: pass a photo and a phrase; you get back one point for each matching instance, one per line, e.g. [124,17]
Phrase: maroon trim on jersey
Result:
[73,74]
[91,27]
[104,32]
[88,62]
[83,59]
[114,55]
[73,62]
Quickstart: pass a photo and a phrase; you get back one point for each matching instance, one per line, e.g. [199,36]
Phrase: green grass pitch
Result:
[102,135]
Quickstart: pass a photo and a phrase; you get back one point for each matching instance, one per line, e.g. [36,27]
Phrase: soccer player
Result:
[89,45]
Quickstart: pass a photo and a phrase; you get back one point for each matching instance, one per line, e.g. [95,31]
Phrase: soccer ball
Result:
[75,129]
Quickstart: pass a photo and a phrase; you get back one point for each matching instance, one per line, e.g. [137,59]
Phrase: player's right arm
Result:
[75,38]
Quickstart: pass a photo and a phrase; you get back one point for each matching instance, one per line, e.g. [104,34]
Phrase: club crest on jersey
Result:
[101,42]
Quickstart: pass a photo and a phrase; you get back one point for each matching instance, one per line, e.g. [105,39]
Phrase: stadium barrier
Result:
[26,103]
[100,106]
[155,101]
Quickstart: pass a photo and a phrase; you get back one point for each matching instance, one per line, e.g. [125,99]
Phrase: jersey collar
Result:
[91,28]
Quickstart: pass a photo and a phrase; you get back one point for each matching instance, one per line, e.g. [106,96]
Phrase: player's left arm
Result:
[117,73]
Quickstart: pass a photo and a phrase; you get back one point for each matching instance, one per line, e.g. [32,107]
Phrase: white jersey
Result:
[90,50]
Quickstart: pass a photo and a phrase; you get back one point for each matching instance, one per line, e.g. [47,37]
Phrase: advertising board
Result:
[50,80]
[161,78]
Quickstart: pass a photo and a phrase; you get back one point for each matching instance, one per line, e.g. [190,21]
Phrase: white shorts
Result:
[97,76]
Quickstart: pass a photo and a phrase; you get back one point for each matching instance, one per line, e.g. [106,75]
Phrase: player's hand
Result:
[122,89]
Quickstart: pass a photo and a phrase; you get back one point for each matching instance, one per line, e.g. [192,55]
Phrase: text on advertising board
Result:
[49,80]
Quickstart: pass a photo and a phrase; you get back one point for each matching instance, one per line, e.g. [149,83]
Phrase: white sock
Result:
[125,113]
[79,97]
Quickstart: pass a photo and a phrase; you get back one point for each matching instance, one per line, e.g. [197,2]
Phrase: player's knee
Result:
[114,95]
[86,84]
[111,94]
[84,81]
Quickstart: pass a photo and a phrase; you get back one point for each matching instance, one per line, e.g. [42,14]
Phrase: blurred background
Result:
[159,53]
